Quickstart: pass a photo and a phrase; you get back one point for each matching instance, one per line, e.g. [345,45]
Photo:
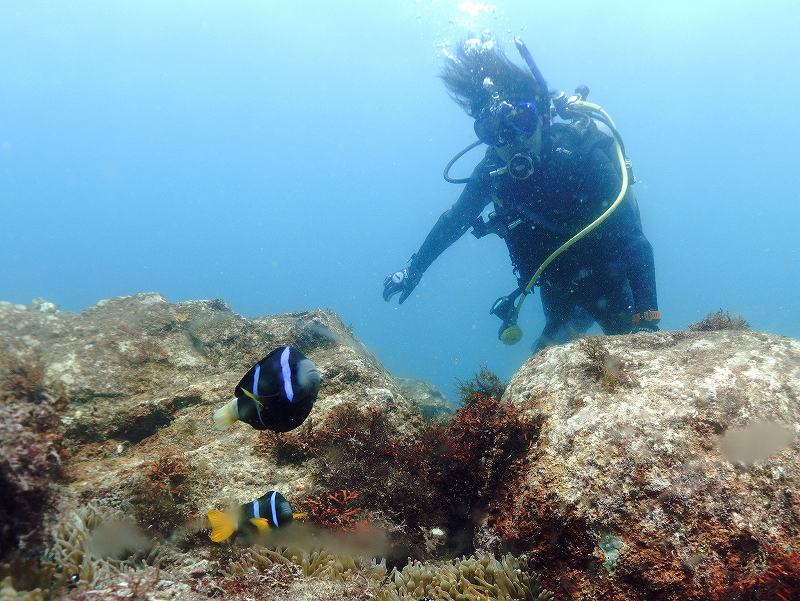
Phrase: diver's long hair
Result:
[465,76]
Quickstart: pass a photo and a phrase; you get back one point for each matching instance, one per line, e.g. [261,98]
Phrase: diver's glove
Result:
[400,282]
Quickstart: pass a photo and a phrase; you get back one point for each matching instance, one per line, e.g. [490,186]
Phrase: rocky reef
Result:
[428,399]
[666,467]
[659,466]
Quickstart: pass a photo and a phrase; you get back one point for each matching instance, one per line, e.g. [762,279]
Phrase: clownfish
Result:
[277,393]
[269,511]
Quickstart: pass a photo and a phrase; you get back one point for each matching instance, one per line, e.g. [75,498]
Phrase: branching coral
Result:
[720,320]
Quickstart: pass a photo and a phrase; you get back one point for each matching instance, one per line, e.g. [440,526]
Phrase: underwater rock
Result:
[141,377]
[31,460]
[657,465]
[428,399]
[632,491]
[40,304]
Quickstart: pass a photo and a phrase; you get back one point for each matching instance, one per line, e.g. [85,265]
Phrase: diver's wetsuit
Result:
[606,277]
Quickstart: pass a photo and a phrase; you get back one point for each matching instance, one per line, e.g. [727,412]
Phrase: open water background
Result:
[288,155]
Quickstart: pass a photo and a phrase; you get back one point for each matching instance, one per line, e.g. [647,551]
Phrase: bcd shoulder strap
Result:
[580,136]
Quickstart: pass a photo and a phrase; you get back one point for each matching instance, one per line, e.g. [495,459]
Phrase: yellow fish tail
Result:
[223,525]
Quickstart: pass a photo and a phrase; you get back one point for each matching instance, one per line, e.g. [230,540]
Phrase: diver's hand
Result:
[400,282]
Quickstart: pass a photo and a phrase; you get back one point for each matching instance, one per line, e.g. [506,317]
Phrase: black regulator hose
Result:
[446,173]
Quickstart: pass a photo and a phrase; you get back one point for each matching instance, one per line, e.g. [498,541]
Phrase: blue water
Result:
[286,156]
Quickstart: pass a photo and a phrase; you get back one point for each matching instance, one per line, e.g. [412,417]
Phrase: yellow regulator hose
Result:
[513,333]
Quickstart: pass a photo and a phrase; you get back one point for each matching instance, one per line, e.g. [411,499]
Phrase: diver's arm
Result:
[450,227]
[456,220]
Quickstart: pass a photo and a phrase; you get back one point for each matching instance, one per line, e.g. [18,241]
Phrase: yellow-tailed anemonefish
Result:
[271,510]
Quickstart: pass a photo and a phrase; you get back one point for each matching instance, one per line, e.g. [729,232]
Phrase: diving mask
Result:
[501,123]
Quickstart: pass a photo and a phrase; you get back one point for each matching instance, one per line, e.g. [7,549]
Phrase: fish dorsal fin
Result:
[261,523]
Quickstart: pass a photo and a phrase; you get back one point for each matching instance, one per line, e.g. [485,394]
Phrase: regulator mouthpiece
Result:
[520,166]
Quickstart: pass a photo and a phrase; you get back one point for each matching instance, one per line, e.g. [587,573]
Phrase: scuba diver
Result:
[556,174]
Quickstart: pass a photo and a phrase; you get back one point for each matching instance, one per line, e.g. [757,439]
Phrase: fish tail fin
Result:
[223,525]
[226,415]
